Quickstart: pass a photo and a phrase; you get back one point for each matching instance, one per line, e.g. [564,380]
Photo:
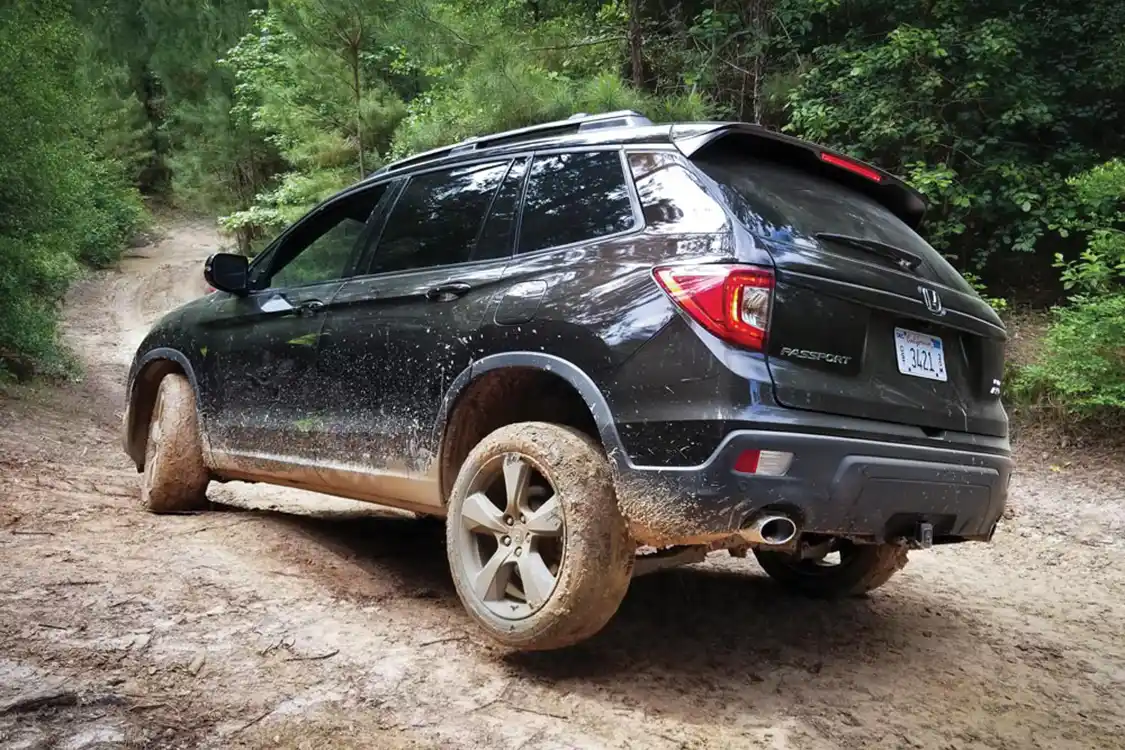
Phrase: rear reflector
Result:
[763,463]
[732,302]
[852,166]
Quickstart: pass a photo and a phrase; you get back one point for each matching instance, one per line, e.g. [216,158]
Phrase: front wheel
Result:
[175,478]
[847,570]
[540,555]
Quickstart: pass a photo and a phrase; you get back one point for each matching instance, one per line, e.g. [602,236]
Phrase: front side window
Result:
[574,197]
[436,220]
[321,245]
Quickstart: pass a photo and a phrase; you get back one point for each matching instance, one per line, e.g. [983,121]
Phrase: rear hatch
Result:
[868,319]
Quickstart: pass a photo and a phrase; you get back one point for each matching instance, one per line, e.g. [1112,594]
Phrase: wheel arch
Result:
[501,389]
[144,383]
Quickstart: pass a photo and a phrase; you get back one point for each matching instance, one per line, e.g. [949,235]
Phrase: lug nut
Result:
[508,520]
[506,540]
[523,519]
[518,551]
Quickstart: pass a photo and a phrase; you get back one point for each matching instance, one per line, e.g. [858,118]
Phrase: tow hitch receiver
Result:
[923,536]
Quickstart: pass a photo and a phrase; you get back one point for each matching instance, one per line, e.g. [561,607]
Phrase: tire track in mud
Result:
[310,621]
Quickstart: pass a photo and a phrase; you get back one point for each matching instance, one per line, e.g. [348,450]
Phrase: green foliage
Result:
[273,210]
[986,107]
[999,304]
[64,192]
[503,91]
[1100,217]
[1082,368]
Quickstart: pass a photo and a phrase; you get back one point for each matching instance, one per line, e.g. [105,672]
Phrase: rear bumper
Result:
[867,490]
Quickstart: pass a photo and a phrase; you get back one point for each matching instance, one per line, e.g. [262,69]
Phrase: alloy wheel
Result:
[512,537]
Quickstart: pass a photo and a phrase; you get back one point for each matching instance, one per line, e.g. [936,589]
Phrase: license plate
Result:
[920,355]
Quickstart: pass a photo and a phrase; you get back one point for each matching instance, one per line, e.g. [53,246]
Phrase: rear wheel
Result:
[540,555]
[175,478]
[847,570]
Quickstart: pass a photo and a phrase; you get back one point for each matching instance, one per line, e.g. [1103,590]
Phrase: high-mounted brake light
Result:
[851,166]
[732,302]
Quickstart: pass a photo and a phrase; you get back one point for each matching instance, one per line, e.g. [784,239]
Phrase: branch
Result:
[573,45]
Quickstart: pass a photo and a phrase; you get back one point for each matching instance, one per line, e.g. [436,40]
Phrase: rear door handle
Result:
[448,292]
[312,307]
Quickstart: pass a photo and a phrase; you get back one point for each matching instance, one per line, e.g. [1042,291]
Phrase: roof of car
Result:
[690,138]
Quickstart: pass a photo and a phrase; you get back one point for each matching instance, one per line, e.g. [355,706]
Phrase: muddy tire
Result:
[540,554]
[861,568]
[175,478]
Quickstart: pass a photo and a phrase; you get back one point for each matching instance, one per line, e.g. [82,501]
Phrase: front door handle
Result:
[448,292]
[312,307]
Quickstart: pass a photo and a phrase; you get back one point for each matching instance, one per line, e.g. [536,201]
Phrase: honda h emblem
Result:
[932,300]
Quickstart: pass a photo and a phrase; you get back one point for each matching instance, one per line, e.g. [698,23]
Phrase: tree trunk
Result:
[636,44]
[358,111]
[761,23]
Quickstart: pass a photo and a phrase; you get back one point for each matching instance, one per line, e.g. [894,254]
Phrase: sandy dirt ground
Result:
[289,620]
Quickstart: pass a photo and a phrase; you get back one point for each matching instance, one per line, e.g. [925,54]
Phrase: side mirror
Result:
[228,272]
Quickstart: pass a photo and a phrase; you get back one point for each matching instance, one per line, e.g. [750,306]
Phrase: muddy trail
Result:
[289,620]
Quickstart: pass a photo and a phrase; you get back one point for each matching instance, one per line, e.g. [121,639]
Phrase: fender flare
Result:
[555,365]
[163,352]
[144,361]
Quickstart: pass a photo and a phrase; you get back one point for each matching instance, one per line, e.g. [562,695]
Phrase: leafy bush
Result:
[1082,368]
[62,198]
[999,304]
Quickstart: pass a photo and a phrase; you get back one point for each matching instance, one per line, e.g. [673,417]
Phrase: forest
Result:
[1009,116]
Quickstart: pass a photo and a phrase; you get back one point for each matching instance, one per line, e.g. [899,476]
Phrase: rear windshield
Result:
[783,204]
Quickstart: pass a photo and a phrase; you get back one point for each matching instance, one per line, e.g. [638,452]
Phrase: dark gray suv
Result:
[598,347]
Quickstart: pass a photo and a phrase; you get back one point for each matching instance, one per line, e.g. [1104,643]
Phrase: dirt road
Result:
[338,626]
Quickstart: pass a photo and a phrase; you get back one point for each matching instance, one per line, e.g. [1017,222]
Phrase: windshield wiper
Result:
[903,258]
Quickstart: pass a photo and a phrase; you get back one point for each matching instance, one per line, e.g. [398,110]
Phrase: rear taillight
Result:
[732,302]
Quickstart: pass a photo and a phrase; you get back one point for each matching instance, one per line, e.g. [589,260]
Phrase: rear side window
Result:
[671,199]
[574,197]
[789,205]
[496,236]
[436,220]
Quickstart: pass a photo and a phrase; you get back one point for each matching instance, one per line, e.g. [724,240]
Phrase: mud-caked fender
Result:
[568,371]
[157,363]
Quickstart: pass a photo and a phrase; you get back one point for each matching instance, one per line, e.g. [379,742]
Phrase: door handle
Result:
[312,307]
[448,292]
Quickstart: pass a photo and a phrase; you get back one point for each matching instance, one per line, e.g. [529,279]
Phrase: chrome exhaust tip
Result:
[770,529]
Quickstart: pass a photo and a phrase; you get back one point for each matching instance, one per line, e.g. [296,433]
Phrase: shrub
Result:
[1082,368]
[62,200]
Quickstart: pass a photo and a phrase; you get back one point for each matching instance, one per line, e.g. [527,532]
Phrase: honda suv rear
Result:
[599,347]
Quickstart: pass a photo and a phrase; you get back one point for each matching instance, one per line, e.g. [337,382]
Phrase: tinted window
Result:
[436,219]
[671,199]
[790,205]
[496,236]
[320,245]
[574,197]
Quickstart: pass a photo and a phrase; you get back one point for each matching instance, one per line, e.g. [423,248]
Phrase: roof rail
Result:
[576,123]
